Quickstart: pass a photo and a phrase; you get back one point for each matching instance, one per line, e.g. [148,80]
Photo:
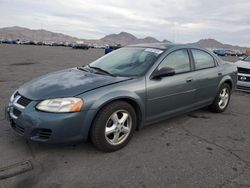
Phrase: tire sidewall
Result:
[99,125]
[216,102]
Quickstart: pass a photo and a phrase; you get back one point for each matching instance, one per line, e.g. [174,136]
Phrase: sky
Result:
[180,21]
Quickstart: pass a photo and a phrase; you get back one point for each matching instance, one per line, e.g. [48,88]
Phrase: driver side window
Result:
[178,60]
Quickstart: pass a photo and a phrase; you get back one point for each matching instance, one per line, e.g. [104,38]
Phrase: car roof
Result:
[158,45]
[167,45]
[163,45]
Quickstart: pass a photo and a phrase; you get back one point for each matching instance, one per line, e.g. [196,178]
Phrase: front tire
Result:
[222,99]
[113,126]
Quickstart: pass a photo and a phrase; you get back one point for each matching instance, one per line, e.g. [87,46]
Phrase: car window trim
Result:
[189,58]
[215,62]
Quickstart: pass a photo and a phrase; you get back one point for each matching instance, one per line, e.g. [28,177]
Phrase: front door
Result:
[171,94]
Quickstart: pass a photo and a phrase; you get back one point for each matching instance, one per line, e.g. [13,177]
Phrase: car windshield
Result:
[247,59]
[128,61]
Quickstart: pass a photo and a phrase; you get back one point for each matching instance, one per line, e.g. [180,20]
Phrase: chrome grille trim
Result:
[12,115]
[16,104]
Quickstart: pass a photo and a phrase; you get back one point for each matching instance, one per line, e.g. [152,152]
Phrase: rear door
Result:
[171,94]
[207,76]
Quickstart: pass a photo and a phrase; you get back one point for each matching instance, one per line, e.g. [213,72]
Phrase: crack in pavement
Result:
[39,165]
[247,164]
[32,153]
[215,144]
[31,150]
[241,185]
[231,179]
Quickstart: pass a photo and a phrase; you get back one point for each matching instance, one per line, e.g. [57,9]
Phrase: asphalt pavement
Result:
[198,149]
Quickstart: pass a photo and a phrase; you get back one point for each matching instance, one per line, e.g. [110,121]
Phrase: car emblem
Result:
[243,78]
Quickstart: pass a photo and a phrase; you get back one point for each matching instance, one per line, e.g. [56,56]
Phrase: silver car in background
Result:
[243,82]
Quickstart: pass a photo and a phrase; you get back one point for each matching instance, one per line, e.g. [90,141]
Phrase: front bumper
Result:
[243,83]
[49,127]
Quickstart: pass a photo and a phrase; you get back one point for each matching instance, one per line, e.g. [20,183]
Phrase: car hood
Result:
[243,64]
[66,83]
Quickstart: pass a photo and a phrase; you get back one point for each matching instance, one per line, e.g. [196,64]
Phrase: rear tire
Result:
[222,99]
[113,126]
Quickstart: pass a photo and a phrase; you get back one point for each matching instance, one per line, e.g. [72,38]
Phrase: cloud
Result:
[177,20]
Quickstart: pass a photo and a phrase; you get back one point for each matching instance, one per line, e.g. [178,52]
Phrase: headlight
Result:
[61,105]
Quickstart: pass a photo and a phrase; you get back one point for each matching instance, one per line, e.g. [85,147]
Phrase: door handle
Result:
[189,79]
[219,73]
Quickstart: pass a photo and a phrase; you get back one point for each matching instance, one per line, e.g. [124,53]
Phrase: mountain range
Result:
[22,33]
[214,44]
[122,38]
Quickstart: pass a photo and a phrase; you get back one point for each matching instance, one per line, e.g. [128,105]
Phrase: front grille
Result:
[16,112]
[23,101]
[243,70]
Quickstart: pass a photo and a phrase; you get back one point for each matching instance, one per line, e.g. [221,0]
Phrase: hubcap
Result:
[118,127]
[224,98]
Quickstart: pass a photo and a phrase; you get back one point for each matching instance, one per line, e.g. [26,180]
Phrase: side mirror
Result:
[163,72]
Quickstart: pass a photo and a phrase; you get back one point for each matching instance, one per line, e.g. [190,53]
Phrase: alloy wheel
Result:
[224,98]
[118,127]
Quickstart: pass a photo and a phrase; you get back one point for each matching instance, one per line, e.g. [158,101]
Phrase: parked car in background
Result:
[220,52]
[247,53]
[120,92]
[100,46]
[80,46]
[230,53]
[243,82]
[108,50]
[9,41]
[239,53]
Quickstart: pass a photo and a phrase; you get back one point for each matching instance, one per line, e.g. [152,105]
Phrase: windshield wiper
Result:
[83,69]
[101,70]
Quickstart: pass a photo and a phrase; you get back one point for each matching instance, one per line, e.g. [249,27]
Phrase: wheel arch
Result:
[229,82]
[214,107]
[226,79]
[132,100]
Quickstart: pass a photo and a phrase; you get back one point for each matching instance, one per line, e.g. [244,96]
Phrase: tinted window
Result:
[202,59]
[178,60]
